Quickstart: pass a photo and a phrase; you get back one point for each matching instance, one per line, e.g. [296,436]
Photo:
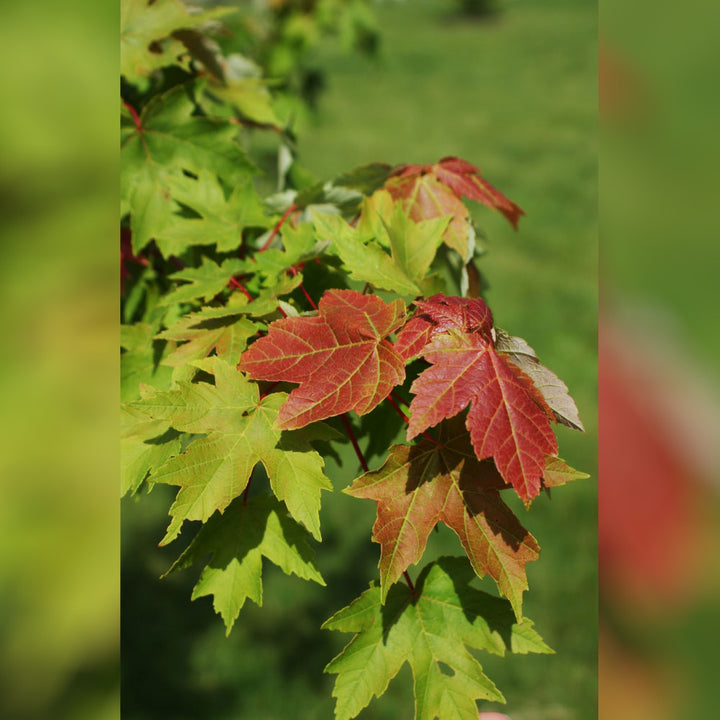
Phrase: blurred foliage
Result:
[659,156]
[59,584]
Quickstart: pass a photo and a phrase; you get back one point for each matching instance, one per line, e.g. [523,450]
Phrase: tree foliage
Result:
[235,377]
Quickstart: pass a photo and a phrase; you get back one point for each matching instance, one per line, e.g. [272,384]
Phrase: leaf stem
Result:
[242,288]
[353,440]
[304,291]
[277,227]
[135,116]
[397,408]
[409,582]
[394,401]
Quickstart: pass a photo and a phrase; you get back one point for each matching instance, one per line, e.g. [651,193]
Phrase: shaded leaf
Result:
[419,486]
[222,221]
[203,282]
[237,542]
[155,156]
[143,24]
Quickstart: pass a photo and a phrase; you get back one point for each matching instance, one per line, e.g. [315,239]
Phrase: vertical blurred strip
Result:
[59,512]
[659,344]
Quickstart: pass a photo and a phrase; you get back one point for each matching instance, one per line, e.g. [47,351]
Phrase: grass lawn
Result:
[515,95]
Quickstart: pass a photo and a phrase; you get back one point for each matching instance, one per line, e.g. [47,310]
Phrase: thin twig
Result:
[353,440]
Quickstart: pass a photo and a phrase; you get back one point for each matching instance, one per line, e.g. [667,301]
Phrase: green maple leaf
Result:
[299,244]
[143,25]
[224,329]
[365,260]
[222,220]
[203,282]
[216,469]
[414,244]
[226,336]
[156,155]
[420,485]
[430,627]
[238,540]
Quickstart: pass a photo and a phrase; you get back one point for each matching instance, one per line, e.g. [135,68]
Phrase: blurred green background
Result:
[514,93]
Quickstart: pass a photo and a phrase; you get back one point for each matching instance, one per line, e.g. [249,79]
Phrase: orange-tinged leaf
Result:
[421,485]
[435,190]
[340,357]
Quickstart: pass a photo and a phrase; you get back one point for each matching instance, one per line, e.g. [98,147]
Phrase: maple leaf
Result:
[421,485]
[237,542]
[435,190]
[431,628]
[158,147]
[145,34]
[339,357]
[216,468]
[508,418]
[203,282]
[222,221]
[365,260]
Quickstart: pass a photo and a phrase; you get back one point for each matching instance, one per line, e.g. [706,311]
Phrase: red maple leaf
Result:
[339,357]
[421,485]
[509,419]
[435,190]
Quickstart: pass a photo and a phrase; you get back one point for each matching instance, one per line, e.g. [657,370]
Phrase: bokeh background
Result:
[532,131]
[659,391]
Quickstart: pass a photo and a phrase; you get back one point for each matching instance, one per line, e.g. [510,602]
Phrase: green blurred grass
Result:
[515,95]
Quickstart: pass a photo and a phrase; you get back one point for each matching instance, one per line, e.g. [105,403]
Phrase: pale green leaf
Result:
[202,407]
[241,432]
[203,282]
[414,244]
[365,260]
[215,469]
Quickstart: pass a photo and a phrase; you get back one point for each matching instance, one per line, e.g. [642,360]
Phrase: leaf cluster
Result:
[255,326]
